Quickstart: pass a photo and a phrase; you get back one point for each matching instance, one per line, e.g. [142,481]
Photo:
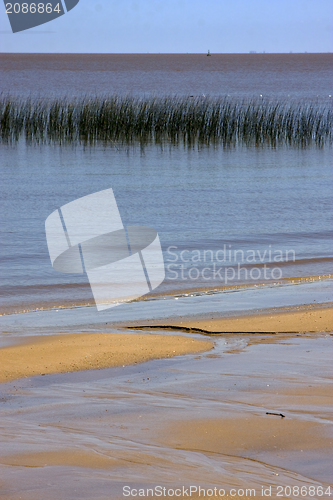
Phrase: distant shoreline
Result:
[152,54]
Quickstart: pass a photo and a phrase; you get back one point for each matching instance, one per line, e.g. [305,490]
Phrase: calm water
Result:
[301,76]
[203,203]
[216,210]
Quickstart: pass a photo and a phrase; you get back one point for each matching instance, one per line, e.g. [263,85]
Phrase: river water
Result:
[215,209]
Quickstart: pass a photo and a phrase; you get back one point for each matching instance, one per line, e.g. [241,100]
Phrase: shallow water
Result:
[222,303]
[221,215]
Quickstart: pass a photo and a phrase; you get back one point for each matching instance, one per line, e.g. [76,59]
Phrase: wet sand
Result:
[40,355]
[250,436]
[75,352]
[196,420]
[202,419]
[297,320]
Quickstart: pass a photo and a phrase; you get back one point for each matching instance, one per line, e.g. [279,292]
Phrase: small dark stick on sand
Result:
[277,414]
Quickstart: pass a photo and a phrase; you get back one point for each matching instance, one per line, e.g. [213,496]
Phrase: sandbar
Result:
[90,351]
[304,319]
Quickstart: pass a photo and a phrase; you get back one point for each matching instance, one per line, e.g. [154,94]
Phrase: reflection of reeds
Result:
[173,119]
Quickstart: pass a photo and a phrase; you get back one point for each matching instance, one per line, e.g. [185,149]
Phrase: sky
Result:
[179,26]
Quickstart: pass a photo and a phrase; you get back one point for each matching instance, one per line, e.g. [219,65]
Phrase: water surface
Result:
[301,76]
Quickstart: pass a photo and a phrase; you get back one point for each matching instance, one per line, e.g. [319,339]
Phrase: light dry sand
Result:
[85,351]
[281,321]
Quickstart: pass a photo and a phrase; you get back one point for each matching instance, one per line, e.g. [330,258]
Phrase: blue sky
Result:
[141,26]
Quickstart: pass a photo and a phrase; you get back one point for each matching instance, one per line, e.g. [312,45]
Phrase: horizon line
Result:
[252,53]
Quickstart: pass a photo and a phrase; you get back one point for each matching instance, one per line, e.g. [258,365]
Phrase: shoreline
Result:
[300,319]
[73,352]
[166,293]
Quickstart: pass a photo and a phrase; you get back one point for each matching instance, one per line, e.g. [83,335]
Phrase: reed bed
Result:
[171,119]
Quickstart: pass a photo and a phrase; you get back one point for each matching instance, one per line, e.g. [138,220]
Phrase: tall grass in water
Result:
[172,119]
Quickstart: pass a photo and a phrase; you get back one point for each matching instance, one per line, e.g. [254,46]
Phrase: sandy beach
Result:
[296,320]
[210,419]
[133,414]
[83,351]
[255,394]
[75,352]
